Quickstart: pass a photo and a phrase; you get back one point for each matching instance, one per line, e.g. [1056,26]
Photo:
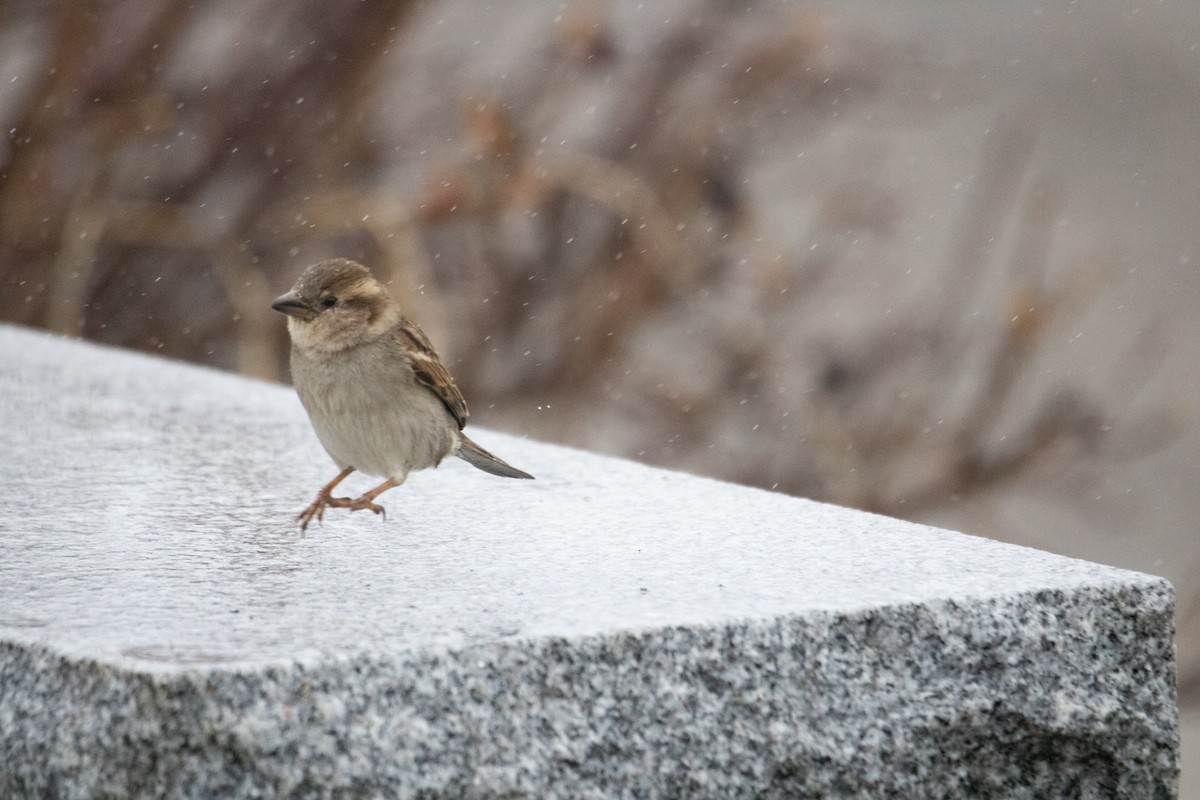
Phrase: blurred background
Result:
[932,259]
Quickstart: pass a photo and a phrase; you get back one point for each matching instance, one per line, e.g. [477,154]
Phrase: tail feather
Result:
[479,458]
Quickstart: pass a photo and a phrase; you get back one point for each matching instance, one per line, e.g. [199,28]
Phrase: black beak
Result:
[290,304]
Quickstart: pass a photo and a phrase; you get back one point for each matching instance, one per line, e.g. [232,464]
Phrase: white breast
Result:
[373,414]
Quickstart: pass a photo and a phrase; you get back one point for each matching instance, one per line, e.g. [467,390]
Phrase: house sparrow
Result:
[378,396]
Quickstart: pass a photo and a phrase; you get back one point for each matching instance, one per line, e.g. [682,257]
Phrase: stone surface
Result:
[608,630]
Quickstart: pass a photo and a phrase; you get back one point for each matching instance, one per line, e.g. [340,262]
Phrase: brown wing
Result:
[432,372]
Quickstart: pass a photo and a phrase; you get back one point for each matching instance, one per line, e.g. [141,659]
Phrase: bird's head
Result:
[336,304]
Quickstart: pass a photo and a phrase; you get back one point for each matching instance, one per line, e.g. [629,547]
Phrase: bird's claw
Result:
[362,503]
[318,506]
[316,510]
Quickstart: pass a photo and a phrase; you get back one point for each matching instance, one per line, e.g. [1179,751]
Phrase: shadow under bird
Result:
[378,396]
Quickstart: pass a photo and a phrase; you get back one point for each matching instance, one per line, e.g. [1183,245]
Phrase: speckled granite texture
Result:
[608,630]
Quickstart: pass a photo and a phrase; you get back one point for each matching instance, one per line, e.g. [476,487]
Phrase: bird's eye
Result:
[329,302]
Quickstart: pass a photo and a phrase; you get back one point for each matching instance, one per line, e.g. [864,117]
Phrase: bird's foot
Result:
[316,509]
[364,503]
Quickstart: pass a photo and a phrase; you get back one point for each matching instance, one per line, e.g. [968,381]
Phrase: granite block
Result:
[608,630]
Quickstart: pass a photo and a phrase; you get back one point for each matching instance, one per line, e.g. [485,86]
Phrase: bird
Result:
[377,394]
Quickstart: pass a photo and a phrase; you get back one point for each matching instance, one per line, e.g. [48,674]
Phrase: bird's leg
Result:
[317,507]
[359,503]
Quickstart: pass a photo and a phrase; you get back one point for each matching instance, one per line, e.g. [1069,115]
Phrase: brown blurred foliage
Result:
[171,166]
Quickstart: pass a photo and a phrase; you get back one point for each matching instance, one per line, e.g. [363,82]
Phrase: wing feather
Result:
[431,371]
